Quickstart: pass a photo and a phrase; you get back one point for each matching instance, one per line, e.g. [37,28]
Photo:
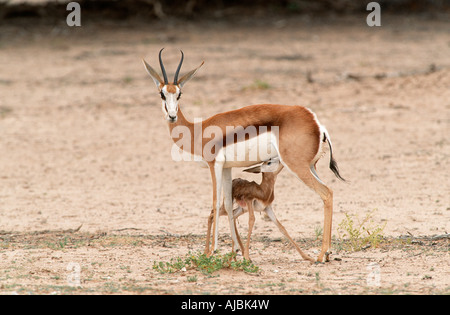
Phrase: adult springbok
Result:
[245,137]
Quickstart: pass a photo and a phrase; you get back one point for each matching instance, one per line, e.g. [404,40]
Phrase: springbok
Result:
[291,133]
[251,197]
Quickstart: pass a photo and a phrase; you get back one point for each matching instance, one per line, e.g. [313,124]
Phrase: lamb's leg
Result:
[251,222]
[274,219]
[236,213]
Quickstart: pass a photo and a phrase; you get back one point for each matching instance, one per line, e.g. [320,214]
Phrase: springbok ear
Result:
[155,76]
[182,81]
[255,170]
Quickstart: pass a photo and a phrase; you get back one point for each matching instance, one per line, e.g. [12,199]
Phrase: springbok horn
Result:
[162,68]
[175,80]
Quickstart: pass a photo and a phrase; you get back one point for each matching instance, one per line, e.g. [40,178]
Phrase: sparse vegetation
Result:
[257,85]
[206,265]
[360,234]
[24,262]
[318,231]
[5,110]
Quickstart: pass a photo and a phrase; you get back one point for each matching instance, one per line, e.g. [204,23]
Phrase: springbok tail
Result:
[333,164]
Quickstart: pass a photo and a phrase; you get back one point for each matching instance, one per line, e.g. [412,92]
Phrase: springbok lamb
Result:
[251,197]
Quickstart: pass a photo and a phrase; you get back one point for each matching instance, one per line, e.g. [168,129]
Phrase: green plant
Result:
[245,265]
[261,85]
[5,110]
[258,85]
[59,244]
[191,278]
[360,234]
[206,265]
[127,79]
[318,231]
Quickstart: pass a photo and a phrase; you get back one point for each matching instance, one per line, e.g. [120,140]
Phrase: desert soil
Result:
[84,143]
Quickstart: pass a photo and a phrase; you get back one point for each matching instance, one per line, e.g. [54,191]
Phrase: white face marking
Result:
[270,166]
[170,103]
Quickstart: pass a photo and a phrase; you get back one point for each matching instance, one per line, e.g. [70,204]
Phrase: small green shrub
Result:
[257,85]
[360,234]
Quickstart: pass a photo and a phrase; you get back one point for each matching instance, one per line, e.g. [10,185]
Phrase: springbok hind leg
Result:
[309,176]
[314,182]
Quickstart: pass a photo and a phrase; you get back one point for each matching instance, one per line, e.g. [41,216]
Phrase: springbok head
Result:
[271,166]
[170,92]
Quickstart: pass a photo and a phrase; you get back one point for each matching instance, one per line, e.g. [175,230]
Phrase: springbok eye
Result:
[163,96]
[179,95]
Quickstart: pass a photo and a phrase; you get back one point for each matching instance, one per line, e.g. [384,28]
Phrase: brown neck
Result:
[181,121]
[183,125]
[268,183]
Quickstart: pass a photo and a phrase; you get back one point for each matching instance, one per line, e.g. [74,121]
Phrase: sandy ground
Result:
[83,142]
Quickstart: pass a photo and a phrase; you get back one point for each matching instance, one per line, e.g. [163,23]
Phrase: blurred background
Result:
[84,142]
[147,10]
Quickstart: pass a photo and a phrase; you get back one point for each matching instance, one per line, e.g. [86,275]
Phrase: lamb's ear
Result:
[155,76]
[256,169]
[182,81]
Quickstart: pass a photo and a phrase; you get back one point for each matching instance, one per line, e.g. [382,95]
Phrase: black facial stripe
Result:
[163,96]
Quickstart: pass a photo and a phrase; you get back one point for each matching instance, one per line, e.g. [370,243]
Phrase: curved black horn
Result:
[162,68]
[175,80]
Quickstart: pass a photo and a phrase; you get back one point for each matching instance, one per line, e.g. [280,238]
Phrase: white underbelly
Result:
[241,154]
[249,152]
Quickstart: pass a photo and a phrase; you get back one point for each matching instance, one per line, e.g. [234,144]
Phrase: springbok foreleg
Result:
[228,203]
[216,176]
[208,231]
[237,212]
